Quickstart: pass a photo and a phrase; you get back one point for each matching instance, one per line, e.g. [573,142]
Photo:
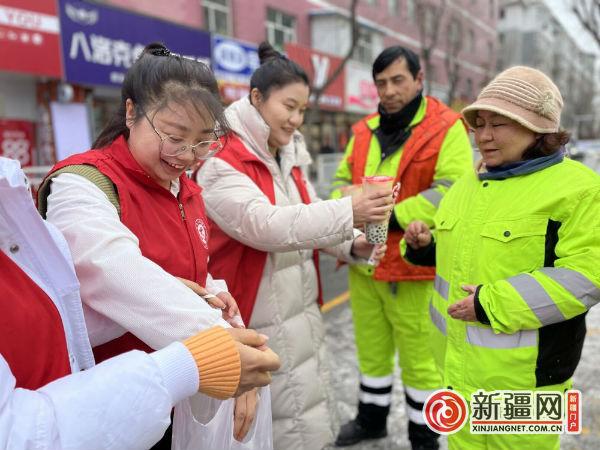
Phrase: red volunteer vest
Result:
[33,339]
[415,172]
[239,265]
[172,232]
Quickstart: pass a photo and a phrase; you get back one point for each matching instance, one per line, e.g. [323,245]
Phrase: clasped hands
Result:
[418,235]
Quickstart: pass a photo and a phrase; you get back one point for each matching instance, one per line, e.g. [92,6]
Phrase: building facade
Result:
[89,44]
[460,34]
[536,33]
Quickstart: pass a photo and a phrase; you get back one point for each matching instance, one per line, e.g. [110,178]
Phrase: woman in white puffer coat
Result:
[266,223]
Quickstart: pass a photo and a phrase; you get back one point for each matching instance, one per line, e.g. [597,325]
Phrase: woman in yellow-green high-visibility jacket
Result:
[517,248]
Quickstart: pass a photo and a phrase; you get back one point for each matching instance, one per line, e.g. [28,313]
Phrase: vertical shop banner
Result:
[17,140]
[233,62]
[100,43]
[29,37]
[361,93]
[320,66]
[71,129]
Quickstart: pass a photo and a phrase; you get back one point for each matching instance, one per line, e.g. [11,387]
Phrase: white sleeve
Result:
[240,209]
[116,280]
[123,403]
[341,251]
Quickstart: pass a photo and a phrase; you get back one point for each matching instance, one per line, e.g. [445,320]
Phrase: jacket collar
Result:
[374,122]
[123,156]
[520,168]
[11,174]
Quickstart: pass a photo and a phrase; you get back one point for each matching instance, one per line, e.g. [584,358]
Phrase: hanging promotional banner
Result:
[17,140]
[320,66]
[29,37]
[100,43]
[361,93]
[233,63]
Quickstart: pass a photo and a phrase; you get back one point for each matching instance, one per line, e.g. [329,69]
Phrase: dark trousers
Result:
[165,442]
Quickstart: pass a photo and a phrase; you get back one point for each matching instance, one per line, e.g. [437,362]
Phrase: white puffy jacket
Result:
[286,308]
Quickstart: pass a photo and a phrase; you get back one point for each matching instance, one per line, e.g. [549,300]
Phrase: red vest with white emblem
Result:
[172,232]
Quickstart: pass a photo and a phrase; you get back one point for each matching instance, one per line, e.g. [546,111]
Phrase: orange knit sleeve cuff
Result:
[218,361]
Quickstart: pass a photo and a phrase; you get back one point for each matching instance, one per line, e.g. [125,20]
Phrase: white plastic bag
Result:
[203,423]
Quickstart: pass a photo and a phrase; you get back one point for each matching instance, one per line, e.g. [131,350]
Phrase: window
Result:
[371,2]
[216,16]
[492,9]
[410,9]
[363,51]
[469,89]
[433,74]
[393,7]
[471,41]
[281,28]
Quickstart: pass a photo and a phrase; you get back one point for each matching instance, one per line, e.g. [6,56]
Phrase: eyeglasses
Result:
[175,146]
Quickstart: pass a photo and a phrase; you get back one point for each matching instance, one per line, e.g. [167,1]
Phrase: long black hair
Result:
[159,77]
[275,71]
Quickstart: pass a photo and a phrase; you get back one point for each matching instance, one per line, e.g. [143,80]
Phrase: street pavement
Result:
[340,342]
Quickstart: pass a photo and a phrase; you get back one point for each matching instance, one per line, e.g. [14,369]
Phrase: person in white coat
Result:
[47,399]
[266,224]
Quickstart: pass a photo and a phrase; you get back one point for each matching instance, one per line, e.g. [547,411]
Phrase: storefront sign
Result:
[17,140]
[320,66]
[29,37]
[361,93]
[100,43]
[233,63]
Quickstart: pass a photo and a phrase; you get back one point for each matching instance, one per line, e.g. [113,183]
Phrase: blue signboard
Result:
[100,43]
[233,61]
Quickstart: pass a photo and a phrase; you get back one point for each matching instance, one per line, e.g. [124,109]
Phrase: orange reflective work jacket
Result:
[415,173]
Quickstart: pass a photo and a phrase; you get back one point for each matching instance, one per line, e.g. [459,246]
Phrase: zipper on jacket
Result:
[181,210]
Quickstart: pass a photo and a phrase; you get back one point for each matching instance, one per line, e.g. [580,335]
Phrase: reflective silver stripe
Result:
[437,319]
[375,399]
[537,299]
[415,415]
[446,183]
[485,337]
[433,196]
[418,395]
[575,283]
[377,382]
[441,286]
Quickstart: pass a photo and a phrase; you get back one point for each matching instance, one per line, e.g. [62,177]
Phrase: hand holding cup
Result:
[373,204]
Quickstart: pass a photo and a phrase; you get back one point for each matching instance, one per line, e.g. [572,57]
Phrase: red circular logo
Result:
[445,411]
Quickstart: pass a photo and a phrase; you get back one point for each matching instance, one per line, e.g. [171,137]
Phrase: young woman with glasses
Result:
[136,224]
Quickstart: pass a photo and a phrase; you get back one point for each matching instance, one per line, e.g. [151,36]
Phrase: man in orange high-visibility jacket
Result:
[423,144]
